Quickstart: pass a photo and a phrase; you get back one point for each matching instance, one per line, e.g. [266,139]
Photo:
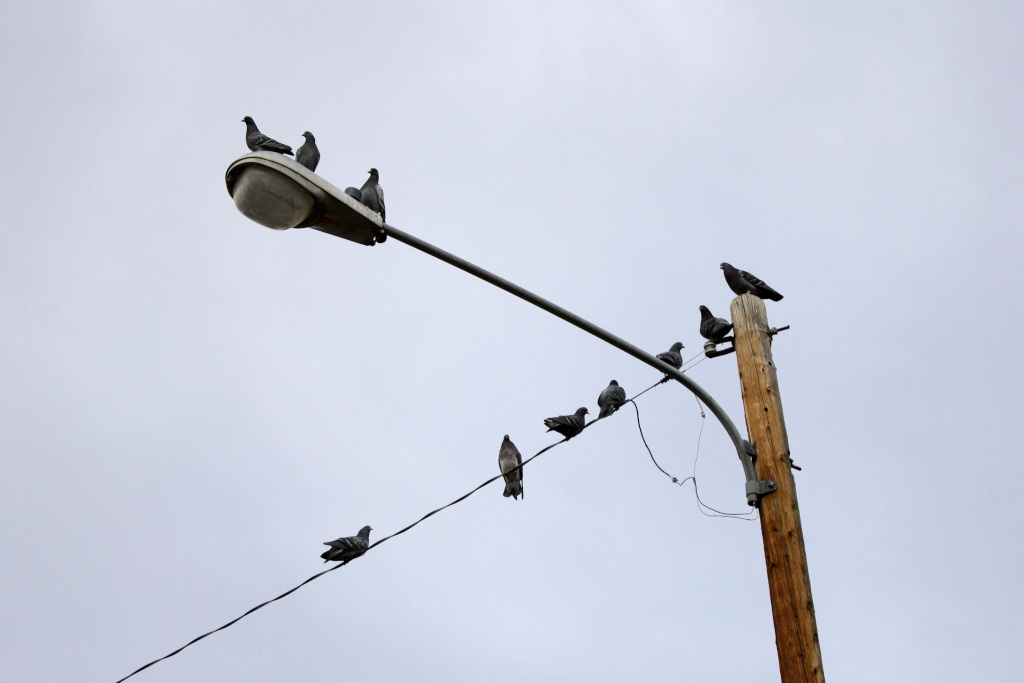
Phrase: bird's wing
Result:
[554,422]
[752,279]
[257,139]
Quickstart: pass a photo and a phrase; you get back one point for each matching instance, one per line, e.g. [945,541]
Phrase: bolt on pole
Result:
[789,583]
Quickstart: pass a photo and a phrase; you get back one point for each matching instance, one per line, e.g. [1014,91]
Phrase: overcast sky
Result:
[192,403]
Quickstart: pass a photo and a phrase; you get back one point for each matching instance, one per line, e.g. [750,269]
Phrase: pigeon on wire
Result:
[610,399]
[510,461]
[348,548]
[258,142]
[712,328]
[672,356]
[308,155]
[567,425]
[742,282]
[372,194]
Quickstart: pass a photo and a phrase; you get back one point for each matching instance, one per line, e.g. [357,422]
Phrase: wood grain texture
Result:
[796,631]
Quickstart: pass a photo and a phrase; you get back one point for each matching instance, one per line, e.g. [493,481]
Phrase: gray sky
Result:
[192,403]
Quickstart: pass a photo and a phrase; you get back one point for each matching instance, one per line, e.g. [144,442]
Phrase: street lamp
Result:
[279,193]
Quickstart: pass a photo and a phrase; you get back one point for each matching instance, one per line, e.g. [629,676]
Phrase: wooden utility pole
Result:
[796,632]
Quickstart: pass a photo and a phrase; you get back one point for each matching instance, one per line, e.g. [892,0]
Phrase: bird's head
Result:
[373,173]
[582,411]
[309,136]
[725,266]
[704,312]
[613,383]
[506,437]
[677,346]
[248,120]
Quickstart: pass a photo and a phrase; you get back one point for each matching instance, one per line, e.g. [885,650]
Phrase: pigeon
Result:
[610,399]
[567,425]
[348,548]
[308,155]
[258,142]
[742,282]
[712,328]
[672,356]
[372,194]
[354,193]
[510,461]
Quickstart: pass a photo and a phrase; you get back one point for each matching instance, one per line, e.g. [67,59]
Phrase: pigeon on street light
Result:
[712,328]
[672,356]
[258,142]
[742,282]
[567,425]
[308,155]
[348,548]
[610,399]
[510,461]
[372,194]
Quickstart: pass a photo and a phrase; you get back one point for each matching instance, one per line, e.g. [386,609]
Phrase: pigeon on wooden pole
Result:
[712,328]
[347,548]
[372,194]
[308,155]
[672,356]
[510,461]
[567,425]
[258,142]
[610,399]
[742,282]
[789,583]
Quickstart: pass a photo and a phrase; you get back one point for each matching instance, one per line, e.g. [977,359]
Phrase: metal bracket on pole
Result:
[755,489]
[711,349]
[761,488]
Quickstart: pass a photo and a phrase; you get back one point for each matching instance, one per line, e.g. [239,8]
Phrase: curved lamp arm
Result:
[279,193]
[743,448]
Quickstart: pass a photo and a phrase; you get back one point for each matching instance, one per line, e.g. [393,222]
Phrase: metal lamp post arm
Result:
[279,193]
[743,448]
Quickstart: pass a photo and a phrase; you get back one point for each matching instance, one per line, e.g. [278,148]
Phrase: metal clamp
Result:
[761,488]
[755,489]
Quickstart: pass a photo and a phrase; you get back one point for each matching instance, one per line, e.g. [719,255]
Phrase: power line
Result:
[338,566]
[424,518]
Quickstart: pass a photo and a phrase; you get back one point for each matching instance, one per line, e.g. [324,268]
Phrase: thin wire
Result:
[630,400]
[691,367]
[674,479]
[338,566]
[701,505]
[687,363]
[682,368]
[260,606]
